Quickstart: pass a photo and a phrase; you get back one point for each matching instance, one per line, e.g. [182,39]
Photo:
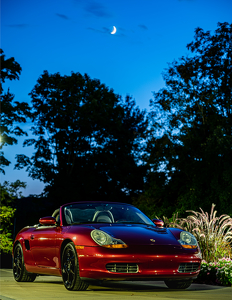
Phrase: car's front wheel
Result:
[19,270]
[70,269]
[178,284]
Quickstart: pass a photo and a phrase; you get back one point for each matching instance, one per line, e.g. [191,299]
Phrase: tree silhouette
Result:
[11,112]
[191,158]
[88,141]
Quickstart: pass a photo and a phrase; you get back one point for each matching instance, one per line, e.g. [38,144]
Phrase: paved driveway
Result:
[50,287]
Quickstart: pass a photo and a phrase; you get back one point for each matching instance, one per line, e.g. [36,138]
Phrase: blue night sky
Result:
[74,35]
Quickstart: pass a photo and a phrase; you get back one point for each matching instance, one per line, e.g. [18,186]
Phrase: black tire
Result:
[70,269]
[19,270]
[178,284]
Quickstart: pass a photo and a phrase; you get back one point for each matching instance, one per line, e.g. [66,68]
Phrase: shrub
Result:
[6,215]
[9,192]
[224,271]
[219,273]
[6,243]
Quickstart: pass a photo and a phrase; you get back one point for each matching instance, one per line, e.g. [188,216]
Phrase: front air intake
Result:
[122,268]
[188,267]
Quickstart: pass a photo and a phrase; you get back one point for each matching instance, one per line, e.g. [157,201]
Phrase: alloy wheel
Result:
[69,268]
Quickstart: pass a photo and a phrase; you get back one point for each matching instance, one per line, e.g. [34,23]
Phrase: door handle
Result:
[32,237]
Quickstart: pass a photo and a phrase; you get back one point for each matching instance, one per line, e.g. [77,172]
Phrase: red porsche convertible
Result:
[86,241]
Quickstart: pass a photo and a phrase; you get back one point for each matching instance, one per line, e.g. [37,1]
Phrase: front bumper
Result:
[152,262]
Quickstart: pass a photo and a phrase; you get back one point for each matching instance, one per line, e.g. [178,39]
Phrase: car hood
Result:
[134,234]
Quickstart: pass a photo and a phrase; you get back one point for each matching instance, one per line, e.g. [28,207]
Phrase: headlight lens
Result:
[104,239]
[187,240]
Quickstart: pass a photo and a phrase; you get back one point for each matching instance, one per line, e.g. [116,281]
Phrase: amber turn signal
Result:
[79,247]
[189,246]
[115,246]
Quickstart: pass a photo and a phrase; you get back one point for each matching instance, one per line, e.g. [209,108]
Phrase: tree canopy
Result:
[191,156]
[11,112]
[87,140]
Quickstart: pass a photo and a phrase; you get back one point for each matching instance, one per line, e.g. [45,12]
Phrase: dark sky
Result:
[74,35]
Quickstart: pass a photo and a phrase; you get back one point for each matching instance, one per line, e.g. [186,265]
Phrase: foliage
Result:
[10,191]
[6,243]
[190,137]
[6,215]
[88,141]
[11,112]
[224,271]
[217,273]
[9,195]
[172,222]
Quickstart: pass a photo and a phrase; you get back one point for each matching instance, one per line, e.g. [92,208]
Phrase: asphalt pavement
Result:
[51,287]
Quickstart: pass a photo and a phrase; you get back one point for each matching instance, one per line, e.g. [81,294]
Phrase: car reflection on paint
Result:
[95,241]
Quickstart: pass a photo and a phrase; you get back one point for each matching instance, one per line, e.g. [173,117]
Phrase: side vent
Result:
[27,244]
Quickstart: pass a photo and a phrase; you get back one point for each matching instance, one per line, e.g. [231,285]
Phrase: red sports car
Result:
[87,241]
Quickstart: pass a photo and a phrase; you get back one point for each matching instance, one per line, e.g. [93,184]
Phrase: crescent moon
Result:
[114,30]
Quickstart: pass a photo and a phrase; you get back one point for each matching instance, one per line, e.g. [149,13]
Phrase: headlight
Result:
[105,240]
[187,240]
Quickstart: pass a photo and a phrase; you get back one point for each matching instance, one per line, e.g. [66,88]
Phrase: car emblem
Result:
[152,240]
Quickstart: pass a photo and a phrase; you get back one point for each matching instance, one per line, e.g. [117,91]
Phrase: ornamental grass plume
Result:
[214,234]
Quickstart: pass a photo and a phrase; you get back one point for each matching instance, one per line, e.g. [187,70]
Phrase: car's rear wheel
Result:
[19,270]
[70,269]
[178,284]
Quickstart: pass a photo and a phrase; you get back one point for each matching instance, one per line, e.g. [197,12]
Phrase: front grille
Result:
[188,267]
[122,268]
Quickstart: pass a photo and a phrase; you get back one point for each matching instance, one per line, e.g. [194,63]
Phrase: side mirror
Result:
[46,221]
[158,223]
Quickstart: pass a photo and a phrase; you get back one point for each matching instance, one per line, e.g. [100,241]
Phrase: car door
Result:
[43,246]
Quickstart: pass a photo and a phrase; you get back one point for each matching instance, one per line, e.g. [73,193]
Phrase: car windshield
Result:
[81,213]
